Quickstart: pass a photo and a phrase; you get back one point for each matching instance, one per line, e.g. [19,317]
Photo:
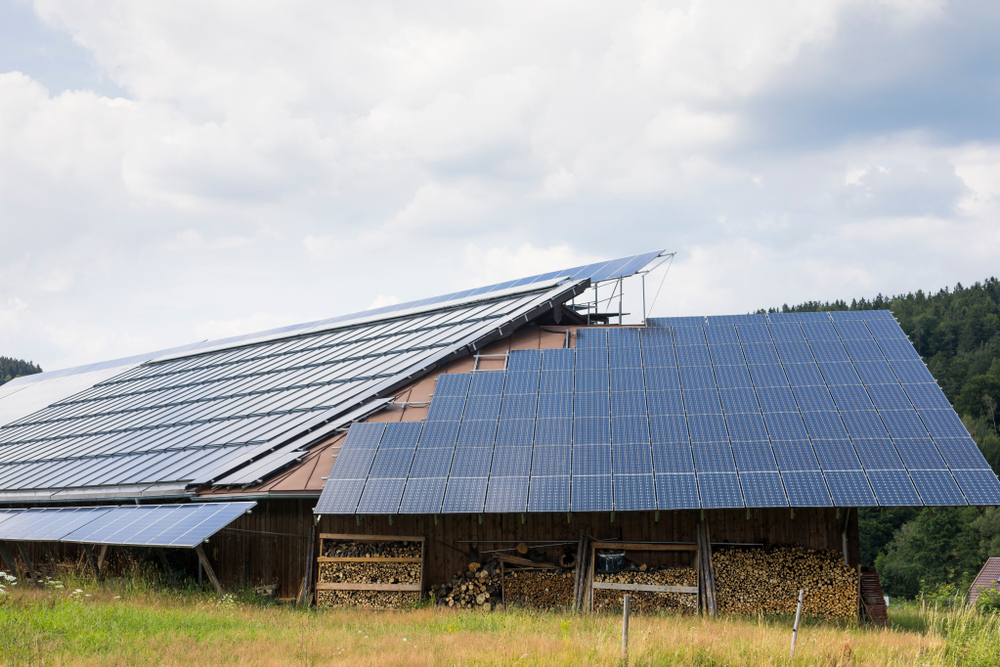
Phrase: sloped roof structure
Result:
[801,410]
[987,579]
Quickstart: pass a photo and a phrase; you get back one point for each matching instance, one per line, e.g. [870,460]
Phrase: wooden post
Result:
[166,564]
[28,564]
[8,558]
[102,555]
[578,579]
[88,549]
[843,536]
[795,628]
[305,593]
[203,559]
[49,556]
[625,600]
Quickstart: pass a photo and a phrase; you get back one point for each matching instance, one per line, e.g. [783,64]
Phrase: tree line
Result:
[13,368]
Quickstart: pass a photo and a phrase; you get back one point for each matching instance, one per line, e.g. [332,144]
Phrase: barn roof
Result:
[987,579]
[237,410]
[800,410]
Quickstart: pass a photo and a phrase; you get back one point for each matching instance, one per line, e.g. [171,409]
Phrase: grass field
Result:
[132,623]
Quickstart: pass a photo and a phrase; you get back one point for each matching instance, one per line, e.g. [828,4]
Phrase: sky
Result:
[174,172]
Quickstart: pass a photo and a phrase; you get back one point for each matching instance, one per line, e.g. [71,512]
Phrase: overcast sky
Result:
[171,172]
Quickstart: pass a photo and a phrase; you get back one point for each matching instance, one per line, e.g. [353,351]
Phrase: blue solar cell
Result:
[819,330]
[486,383]
[937,488]
[626,379]
[423,496]
[592,431]
[674,457]
[806,489]
[727,355]
[979,486]
[839,374]
[786,332]
[431,462]
[794,455]
[630,428]
[591,380]
[515,432]
[524,360]
[477,433]
[456,384]
[553,432]
[664,403]
[632,459]
[829,351]
[821,316]
[961,453]
[693,355]
[746,426]
[713,457]
[824,425]
[804,375]
[911,371]
[628,403]
[668,428]
[736,319]
[720,490]
[393,462]
[558,360]
[549,494]
[926,396]
[658,357]
[400,434]
[472,462]
[763,489]
[352,463]
[903,424]
[520,406]
[482,407]
[634,493]
[511,462]
[661,379]
[556,382]
[760,353]
[707,428]
[507,494]
[592,358]
[889,397]
[465,495]
[439,434]
[836,454]
[521,383]
[591,460]
[694,377]
[851,398]
[592,404]
[364,435]
[753,333]
[340,496]
[776,399]
[653,336]
[785,426]
[850,488]
[675,321]
[733,376]
[893,488]
[554,460]
[446,408]
[559,406]
[677,492]
[593,493]
[813,399]
[794,353]
[591,337]
[863,350]
[382,496]
[689,335]
[753,456]
[877,454]
[722,335]
[739,399]
[852,330]
[625,357]
[702,401]
[898,350]
[875,372]
[768,376]
[886,330]
[943,423]
[919,453]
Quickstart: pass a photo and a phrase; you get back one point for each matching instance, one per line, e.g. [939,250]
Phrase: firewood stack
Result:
[539,589]
[370,573]
[476,588]
[355,549]
[644,601]
[372,599]
[751,581]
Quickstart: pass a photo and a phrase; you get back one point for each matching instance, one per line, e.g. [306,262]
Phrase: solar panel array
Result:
[800,410]
[140,525]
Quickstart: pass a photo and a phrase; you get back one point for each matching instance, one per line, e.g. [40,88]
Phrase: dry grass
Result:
[144,627]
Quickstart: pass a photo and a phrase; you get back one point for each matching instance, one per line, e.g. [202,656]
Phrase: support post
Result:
[625,600]
[706,580]
[203,559]
[88,549]
[843,535]
[795,628]
[27,563]
[49,556]
[581,545]
[8,558]
[166,565]
[102,555]
[305,593]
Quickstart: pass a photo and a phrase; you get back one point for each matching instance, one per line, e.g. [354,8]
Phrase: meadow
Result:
[136,622]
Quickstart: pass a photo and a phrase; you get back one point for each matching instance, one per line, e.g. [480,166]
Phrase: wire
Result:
[669,264]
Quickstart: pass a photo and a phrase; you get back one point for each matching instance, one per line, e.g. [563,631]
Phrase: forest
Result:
[957,332]
[12,368]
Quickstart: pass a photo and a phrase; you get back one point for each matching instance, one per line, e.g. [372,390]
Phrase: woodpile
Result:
[752,581]
[358,549]
[369,573]
[644,601]
[373,599]
[476,588]
[380,571]
[539,589]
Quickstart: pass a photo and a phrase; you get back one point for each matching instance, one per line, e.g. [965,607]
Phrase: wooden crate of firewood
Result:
[608,599]
[382,571]
[539,588]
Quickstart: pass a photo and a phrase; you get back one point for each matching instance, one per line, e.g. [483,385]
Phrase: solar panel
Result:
[664,403]
[553,460]
[836,454]
[763,489]
[634,493]
[486,383]
[511,461]
[549,494]
[591,380]
[630,429]
[455,384]
[626,379]
[340,496]
[677,491]
[592,431]
[382,496]
[693,355]
[937,487]
[668,428]
[806,488]
[472,462]
[507,494]
[893,488]
[431,462]
[392,463]
[632,459]
[477,433]
[720,490]
[482,407]
[753,456]
[662,379]
[623,337]
[625,357]
[962,453]
[465,495]
[849,488]
[524,360]
[713,457]
[592,460]
[593,493]
[422,496]
[918,453]
[520,406]
[592,358]
[628,403]
[556,382]
[671,458]
[979,486]
[592,404]
[522,383]
[515,432]
[553,432]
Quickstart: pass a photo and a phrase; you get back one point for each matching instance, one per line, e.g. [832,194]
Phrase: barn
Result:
[525,426]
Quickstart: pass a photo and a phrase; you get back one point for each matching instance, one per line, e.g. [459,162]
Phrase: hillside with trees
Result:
[957,332]
[12,368]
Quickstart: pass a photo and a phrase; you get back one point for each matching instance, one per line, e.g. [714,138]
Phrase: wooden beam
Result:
[331,559]
[203,559]
[28,564]
[305,592]
[639,546]
[649,588]
[371,538]
[523,562]
[102,555]
[368,587]
[166,564]
[8,558]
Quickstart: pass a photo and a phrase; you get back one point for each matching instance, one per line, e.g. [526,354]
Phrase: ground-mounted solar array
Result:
[801,410]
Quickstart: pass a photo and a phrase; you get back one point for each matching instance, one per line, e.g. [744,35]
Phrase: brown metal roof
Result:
[985,580]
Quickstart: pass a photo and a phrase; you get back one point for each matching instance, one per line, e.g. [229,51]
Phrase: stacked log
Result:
[752,581]
[646,601]
[539,589]
[365,566]
[369,573]
[358,549]
[476,588]
[372,599]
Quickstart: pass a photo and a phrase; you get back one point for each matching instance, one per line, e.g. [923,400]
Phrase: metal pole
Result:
[644,299]
[795,628]
[625,630]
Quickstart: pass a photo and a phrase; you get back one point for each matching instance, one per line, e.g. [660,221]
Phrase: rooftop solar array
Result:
[138,525]
[800,410]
